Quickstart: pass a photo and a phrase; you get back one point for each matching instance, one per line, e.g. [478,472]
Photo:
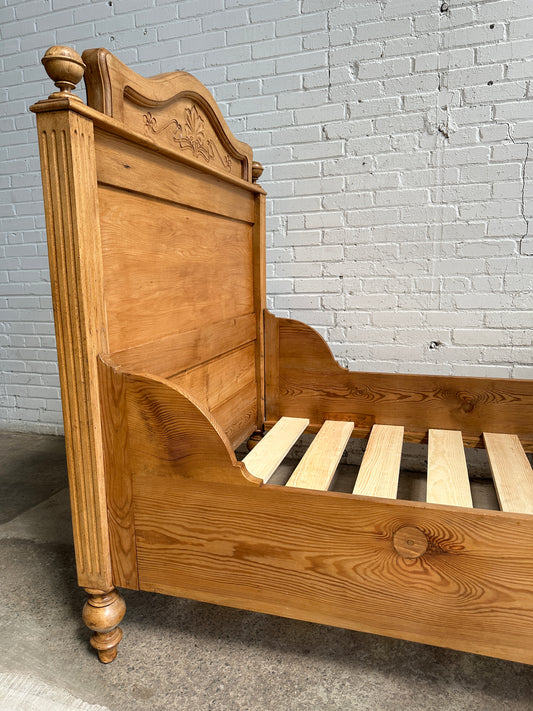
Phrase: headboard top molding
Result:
[67,101]
[172,110]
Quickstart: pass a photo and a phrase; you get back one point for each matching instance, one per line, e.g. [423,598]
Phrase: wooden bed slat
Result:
[318,465]
[268,454]
[447,481]
[380,468]
[511,471]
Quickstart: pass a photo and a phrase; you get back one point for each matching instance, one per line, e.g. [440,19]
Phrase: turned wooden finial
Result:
[102,613]
[65,68]
[257,170]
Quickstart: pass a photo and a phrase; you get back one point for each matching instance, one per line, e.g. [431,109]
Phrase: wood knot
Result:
[65,68]
[257,171]
[468,405]
[410,542]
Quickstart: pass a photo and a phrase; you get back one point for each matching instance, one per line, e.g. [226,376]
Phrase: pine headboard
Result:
[178,236]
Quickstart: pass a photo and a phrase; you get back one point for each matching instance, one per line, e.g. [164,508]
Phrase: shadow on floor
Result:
[32,467]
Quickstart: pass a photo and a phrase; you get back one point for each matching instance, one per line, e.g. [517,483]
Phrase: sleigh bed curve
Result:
[169,360]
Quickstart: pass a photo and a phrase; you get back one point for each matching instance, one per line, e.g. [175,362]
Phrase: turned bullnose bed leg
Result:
[102,613]
[254,439]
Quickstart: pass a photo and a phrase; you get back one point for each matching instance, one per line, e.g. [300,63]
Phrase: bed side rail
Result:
[303,379]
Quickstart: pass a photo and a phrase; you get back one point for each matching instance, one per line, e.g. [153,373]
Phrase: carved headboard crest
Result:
[175,110]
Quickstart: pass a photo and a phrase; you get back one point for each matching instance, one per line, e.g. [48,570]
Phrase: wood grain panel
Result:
[226,386]
[511,471]
[380,468]
[330,558]
[268,454]
[238,415]
[124,164]
[215,382]
[447,481]
[312,384]
[319,463]
[200,268]
[174,353]
[118,476]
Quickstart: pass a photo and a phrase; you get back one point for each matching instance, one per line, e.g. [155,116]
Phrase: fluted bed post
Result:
[68,164]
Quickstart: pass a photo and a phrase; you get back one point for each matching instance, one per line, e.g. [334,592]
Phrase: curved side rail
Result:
[303,379]
[153,429]
[168,431]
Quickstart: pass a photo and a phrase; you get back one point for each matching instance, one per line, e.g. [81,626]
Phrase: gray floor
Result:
[179,654]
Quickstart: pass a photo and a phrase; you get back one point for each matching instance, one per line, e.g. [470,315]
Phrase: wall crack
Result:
[523,174]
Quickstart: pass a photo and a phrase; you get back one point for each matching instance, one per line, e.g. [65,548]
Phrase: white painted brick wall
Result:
[396,144]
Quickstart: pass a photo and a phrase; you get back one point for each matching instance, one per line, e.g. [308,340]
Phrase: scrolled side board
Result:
[170,431]
[207,530]
[153,428]
[303,379]
[336,559]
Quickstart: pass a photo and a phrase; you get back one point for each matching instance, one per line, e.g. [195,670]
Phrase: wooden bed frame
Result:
[169,360]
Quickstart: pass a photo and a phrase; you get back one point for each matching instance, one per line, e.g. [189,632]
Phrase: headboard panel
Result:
[177,252]
[181,230]
[173,110]
[176,234]
[170,268]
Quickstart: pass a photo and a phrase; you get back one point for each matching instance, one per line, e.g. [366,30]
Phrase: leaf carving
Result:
[190,136]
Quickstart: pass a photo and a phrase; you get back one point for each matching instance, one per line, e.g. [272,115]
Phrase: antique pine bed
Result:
[169,360]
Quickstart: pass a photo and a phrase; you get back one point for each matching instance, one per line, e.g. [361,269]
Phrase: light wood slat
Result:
[380,468]
[318,465]
[268,454]
[447,481]
[511,471]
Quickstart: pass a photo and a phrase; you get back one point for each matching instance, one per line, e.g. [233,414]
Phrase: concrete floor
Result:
[179,654]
